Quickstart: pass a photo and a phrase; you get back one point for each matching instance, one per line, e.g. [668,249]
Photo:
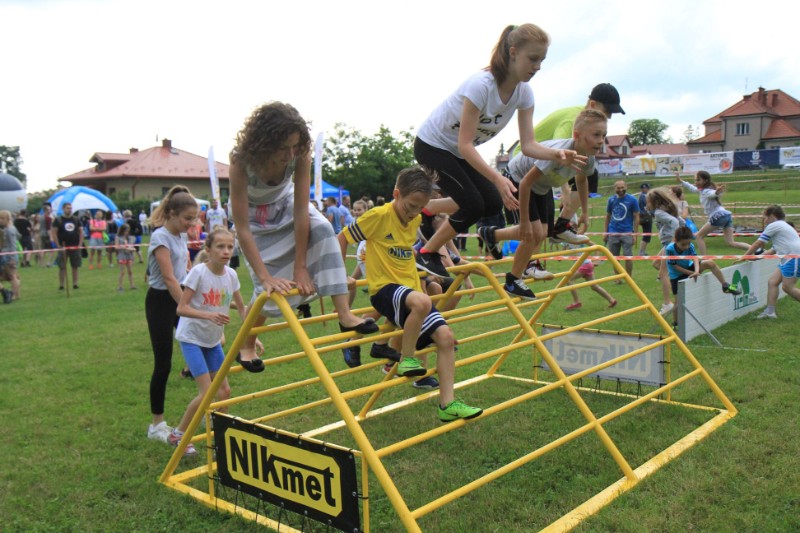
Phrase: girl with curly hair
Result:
[286,244]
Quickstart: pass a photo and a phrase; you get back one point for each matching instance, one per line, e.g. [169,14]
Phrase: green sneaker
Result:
[458,409]
[410,366]
[731,288]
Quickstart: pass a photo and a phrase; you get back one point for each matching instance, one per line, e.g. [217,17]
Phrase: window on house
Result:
[224,192]
[625,150]
[743,128]
[164,191]
[112,191]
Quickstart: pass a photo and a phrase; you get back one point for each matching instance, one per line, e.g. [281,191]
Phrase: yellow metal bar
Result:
[347,415]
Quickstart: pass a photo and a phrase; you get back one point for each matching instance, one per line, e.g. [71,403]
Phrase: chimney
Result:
[166,143]
[762,95]
[774,99]
[133,150]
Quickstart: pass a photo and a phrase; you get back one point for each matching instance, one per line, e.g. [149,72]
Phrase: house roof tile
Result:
[780,129]
[158,162]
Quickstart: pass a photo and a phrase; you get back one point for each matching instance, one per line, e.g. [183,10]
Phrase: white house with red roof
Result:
[762,120]
[150,173]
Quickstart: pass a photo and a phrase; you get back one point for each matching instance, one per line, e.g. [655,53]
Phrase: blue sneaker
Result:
[426,383]
[352,356]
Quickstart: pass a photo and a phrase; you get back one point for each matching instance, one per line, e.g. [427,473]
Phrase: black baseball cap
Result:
[645,186]
[607,94]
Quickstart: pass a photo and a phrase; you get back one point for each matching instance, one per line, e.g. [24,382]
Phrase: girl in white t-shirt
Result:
[477,111]
[208,291]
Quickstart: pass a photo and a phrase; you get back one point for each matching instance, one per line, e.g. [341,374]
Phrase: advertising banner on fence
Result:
[607,167]
[790,156]
[579,350]
[714,163]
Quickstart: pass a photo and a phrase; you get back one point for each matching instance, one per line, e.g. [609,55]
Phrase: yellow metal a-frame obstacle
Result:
[233,452]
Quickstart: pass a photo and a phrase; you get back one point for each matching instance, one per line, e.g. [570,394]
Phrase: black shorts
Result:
[674,282]
[390,301]
[593,179]
[647,227]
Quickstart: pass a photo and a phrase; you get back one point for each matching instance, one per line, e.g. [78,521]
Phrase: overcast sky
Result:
[86,76]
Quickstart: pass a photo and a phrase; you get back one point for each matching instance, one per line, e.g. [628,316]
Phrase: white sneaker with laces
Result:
[764,314]
[160,431]
[569,235]
[666,308]
[534,270]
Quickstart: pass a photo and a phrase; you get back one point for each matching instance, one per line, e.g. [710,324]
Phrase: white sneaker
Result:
[160,431]
[534,270]
[569,236]
[764,314]
[666,308]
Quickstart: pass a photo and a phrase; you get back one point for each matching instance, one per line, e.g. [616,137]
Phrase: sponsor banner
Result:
[713,163]
[789,156]
[302,475]
[669,165]
[609,166]
[755,159]
[705,300]
[580,350]
[639,165]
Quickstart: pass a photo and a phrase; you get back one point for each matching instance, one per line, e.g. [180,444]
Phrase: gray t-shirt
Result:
[555,174]
[178,254]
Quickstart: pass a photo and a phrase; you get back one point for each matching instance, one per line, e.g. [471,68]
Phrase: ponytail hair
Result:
[178,199]
[513,36]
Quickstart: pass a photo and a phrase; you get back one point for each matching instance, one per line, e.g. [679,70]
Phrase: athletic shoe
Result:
[573,306]
[174,439]
[160,431]
[427,383]
[536,271]
[458,409]
[432,264]
[384,351]
[352,356]
[666,309]
[410,367]
[388,368]
[487,234]
[764,314]
[8,295]
[568,235]
[731,288]
[516,287]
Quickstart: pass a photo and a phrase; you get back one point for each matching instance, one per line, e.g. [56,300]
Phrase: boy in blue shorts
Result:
[691,267]
[395,290]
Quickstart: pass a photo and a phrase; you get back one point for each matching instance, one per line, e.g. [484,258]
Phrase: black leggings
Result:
[476,196]
[161,312]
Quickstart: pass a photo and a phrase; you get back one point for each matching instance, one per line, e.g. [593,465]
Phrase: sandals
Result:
[364,328]
[256,365]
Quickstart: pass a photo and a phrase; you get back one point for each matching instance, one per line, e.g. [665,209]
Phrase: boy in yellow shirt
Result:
[395,291]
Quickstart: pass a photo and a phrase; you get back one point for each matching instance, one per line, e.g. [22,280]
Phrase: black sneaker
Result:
[384,351]
[305,310]
[516,287]
[352,356]
[8,296]
[487,234]
[432,264]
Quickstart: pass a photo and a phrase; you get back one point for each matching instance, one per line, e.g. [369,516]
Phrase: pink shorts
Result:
[125,261]
[586,269]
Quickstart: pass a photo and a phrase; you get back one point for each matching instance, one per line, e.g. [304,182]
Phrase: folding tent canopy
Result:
[81,198]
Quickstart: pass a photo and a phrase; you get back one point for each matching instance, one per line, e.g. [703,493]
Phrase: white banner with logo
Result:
[714,163]
[580,350]
[789,156]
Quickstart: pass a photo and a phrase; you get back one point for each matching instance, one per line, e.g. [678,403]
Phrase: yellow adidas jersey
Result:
[390,252]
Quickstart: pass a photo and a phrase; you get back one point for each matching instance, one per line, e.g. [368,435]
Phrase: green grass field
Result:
[74,375]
